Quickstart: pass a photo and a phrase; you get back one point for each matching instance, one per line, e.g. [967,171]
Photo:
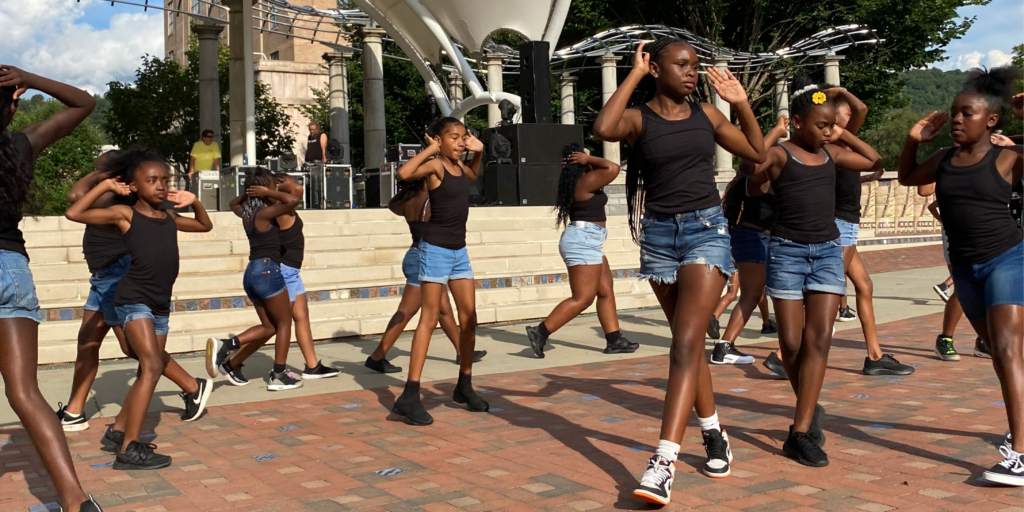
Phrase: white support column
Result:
[568,96]
[494,84]
[832,68]
[338,87]
[209,81]
[455,91]
[609,82]
[723,158]
[374,125]
[243,99]
[781,93]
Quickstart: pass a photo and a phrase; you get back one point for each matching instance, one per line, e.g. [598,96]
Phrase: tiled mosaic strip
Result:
[900,240]
[66,314]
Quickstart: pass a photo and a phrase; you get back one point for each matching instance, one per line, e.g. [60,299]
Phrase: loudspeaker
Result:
[337,187]
[538,184]
[501,187]
[206,186]
[535,82]
[302,178]
[232,183]
[401,152]
[540,143]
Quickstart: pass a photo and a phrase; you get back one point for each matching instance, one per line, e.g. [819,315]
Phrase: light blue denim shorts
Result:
[582,243]
[849,232]
[440,265]
[17,290]
[102,286]
[130,312]
[293,281]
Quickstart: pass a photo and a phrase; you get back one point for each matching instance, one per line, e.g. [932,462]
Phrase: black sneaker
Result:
[622,346]
[477,356]
[945,349]
[411,408]
[465,395]
[1008,440]
[537,341]
[656,484]
[716,445]
[195,403]
[816,432]
[847,314]
[943,291]
[1008,472]
[725,353]
[800,447]
[112,440]
[234,375]
[71,422]
[886,365]
[140,456]
[773,363]
[770,327]
[981,349]
[216,353]
[283,381]
[319,372]
[714,329]
[382,366]
[90,506]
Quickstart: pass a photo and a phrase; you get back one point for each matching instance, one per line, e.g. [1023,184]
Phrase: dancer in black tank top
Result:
[973,185]
[143,296]
[580,208]
[444,259]
[684,241]
[413,203]
[804,268]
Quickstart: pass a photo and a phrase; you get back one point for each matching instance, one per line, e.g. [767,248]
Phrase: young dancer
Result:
[951,312]
[143,297]
[973,184]
[675,215]
[804,266]
[19,306]
[444,259]
[108,258]
[413,202]
[293,246]
[580,208]
[259,208]
[732,290]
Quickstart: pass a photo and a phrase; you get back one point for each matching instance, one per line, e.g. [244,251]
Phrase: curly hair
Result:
[567,180]
[261,177]
[995,86]
[15,177]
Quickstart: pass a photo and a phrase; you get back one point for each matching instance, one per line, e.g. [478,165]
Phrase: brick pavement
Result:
[571,438]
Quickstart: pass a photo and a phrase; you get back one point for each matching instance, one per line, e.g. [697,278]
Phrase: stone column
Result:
[609,82]
[832,68]
[374,127]
[243,100]
[723,158]
[455,91]
[209,80]
[781,97]
[494,84]
[338,87]
[568,95]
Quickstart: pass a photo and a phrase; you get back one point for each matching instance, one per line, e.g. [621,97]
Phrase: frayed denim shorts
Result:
[794,268]
[696,238]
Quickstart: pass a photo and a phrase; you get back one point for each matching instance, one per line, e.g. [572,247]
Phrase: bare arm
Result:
[858,110]
[926,130]
[200,224]
[418,166]
[934,208]
[862,158]
[286,203]
[81,211]
[44,133]
[323,146]
[764,173]
[614,123]
[875,176]
[473,144]
[216,164]
[602,172]
[745,141]
[84,185]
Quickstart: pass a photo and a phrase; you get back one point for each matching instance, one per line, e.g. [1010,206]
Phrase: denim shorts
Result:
[17,290]
[293,281]
[582,243]
[945,248]
[848,232]
[696,238]
[411,267]
[263,279]
[998,281]
[102,286]
[440,265]
[793,268]
[130,312]
[749,245]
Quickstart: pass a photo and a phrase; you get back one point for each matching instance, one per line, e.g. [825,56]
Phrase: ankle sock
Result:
[710,423]
[612,337]
[544,330]
[667,449]
[279,368]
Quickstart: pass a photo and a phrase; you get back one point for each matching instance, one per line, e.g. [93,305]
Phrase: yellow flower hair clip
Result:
[819,98]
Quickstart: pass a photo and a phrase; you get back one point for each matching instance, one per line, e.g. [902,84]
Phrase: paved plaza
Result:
[569,432]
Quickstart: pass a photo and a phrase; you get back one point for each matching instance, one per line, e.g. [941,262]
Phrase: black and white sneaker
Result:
[537,341]
[1008,440]
[195,403]
[216,350]
[90,506]
[622,346]
[847,314]
[714,329]
[725,353]
[140,456]
[716,445]
[112,440]
[886,365]
[981,349]
[1008,472]
[773,363]
[943,291]
[319,372]
[282,381]
[944,348]
[802,448]
[234,375]
[769,327]
[656,484]
[71,422]
[382,366]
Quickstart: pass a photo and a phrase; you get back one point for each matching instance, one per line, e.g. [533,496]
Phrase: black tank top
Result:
[848,196]
[293,244]
[264,244]
[449,211]
[102,246]
[11,238]
[153,244]
[975,206]
[314,153]
[416,229]
[758,211]
[806,200]
[591,210]
[676,160]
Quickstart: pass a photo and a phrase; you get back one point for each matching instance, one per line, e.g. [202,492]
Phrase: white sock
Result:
[710,423]
[667,449]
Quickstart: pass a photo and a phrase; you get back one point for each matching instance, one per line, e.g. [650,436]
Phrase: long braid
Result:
[567,181]
[261,177]
[14,177]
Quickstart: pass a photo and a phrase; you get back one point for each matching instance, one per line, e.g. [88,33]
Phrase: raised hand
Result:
[473,144]
[641,60]
[999,139]
[727,86]
[433,146]
[117,187]
[1017,104]
[257,191]
[181,198]
[782,125]
[875,176]
[578,157]
[837,133]
[11,76]
[927,129]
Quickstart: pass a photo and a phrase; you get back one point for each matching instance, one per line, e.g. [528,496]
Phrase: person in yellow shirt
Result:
[205,155]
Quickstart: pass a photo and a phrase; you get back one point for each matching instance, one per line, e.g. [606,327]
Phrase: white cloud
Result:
[49,37]
[992,59]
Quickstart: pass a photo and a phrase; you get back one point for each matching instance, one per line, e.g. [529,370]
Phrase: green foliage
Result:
[931,89]
[319,112]
[60,165]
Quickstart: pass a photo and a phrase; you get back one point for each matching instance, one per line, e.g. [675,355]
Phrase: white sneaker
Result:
[1008,472]
[725,353]
[656,484]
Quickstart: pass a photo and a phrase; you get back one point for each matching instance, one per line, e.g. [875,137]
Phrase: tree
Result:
[319,111]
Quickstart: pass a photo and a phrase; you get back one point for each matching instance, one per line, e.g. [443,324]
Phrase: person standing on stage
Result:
[205,155]
[316,144]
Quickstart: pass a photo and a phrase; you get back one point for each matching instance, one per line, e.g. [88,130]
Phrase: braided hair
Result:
[261,177]
[14,176]
[995,86]
[440,125]
[567,184]
[646,89]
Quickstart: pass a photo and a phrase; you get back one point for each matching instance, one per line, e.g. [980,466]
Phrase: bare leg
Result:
[303,331]
[90,336]
[763,307]
[864,288]
[807,353]
[606,310]
[407,308]
[431,297]
[1003,329]
[730,295]
[448,325]
[751,287]
[144,341]
[464,293]
[704,403]
[583,282]
[254,337]
[951,315]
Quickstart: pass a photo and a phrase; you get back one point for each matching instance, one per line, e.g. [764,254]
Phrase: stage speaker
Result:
[501,186]
[538,184]
[232,183]
[337,187]
[540,143]
[206,186]
[535,82]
